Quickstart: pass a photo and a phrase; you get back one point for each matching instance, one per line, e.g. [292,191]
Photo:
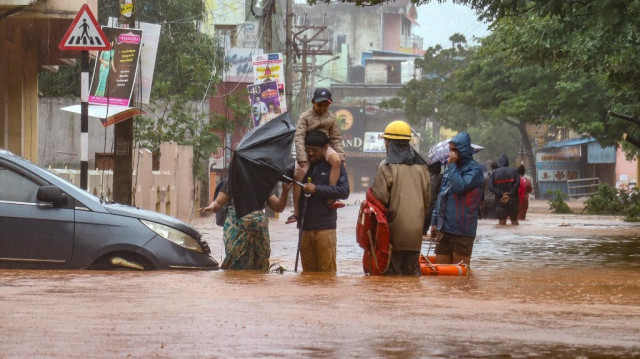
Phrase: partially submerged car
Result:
[49,223]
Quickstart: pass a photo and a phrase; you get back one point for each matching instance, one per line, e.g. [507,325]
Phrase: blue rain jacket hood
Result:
[458,202]
[463,144]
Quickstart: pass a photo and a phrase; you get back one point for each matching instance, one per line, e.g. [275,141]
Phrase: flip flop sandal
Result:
[336,204]
[292,219]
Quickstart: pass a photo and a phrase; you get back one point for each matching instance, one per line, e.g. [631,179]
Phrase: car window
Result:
[15,187]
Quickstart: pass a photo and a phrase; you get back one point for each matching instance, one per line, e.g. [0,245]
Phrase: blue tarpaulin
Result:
[570,142]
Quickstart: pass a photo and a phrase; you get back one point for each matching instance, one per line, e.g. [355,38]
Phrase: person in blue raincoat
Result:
[455,217]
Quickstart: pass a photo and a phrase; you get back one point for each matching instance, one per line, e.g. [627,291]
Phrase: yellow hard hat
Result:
[397,130]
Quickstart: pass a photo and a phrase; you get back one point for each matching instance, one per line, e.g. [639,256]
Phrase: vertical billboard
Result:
[270,67]
[265,102]
[115,71]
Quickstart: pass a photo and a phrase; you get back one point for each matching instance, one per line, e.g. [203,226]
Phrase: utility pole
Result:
[303,80]
[316,44]
[123,131]
[268,26]
[289,56]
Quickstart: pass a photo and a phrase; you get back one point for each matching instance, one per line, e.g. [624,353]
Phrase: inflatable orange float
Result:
[428,266]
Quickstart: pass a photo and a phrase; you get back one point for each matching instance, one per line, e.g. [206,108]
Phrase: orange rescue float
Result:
[428,266]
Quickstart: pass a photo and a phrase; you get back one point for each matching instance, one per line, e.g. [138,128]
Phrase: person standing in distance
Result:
[505,183]
[403,186]
[455,218]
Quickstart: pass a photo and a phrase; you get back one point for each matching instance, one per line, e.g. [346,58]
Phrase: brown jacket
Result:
[406,192]
[310,121]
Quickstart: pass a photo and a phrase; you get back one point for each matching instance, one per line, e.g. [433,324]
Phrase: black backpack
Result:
[222,213]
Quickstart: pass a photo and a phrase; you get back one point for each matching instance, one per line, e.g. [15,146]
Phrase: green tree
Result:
[64,83]
[423,100]
[522,95]
[596,38]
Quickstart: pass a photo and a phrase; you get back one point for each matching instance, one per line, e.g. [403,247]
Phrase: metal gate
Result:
[583,187]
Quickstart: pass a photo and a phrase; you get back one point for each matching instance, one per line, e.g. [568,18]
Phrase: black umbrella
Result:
[259,162]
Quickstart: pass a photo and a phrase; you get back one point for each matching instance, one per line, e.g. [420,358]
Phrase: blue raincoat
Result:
[458,203]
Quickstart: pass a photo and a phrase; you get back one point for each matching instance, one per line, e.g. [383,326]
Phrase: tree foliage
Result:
[64,83]
[595,39]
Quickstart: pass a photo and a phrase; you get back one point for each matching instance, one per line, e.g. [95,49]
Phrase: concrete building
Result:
[376,48]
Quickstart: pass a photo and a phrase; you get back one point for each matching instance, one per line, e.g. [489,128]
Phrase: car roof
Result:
[87,199]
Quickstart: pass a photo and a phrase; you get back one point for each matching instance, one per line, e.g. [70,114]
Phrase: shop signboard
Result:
[558,164]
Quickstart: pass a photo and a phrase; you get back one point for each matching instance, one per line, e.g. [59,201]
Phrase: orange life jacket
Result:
[372,234]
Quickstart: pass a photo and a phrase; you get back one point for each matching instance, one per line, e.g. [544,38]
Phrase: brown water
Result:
[556,286]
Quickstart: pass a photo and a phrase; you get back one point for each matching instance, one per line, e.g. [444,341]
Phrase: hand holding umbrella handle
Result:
[287,178]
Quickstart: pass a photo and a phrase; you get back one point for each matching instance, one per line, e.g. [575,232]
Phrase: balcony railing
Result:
[411,41]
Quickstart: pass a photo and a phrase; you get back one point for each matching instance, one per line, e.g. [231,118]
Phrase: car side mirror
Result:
[52,194]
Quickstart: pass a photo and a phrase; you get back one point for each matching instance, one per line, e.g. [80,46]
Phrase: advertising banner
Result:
[267,68]
[559,164]
[351,121]
[373,142]
[240,64]
[265,102]
[147,59]
[115,71]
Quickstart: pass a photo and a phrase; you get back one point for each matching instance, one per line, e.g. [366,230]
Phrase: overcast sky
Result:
[439,21]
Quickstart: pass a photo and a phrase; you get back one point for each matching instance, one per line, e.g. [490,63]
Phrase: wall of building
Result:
[18,93]
[375,73]
[59,134]
[169,190]
[362,26]
[392,24]
[626,171]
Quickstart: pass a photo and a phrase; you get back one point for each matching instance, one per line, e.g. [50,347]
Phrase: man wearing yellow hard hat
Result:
[402,186]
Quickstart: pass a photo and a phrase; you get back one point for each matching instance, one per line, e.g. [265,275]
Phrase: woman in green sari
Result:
[246,240]
[107,63]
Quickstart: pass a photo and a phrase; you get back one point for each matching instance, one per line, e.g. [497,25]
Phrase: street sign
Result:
[84,34]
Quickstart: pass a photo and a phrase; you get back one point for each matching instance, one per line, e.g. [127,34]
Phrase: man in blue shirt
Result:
[318,244]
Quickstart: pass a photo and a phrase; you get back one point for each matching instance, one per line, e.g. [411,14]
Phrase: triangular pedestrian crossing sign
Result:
[84,33]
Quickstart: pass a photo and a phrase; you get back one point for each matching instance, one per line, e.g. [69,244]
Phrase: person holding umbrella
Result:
[246,239]
[317,221]
[257,164]
[455,218]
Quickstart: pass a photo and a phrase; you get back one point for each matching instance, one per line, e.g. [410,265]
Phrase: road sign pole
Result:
[84,120]
[84,35]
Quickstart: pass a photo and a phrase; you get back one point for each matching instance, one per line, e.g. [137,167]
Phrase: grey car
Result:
[49,223]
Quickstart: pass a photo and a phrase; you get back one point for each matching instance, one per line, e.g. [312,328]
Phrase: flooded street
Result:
[555,286]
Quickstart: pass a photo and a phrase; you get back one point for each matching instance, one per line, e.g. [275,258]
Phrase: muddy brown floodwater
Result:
[557,286]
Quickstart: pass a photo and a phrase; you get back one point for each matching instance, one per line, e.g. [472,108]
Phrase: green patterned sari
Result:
[246,241]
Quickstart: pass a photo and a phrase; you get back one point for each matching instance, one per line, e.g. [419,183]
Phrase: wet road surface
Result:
[563,286]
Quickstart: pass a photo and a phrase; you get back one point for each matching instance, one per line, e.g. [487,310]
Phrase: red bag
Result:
[372,234]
